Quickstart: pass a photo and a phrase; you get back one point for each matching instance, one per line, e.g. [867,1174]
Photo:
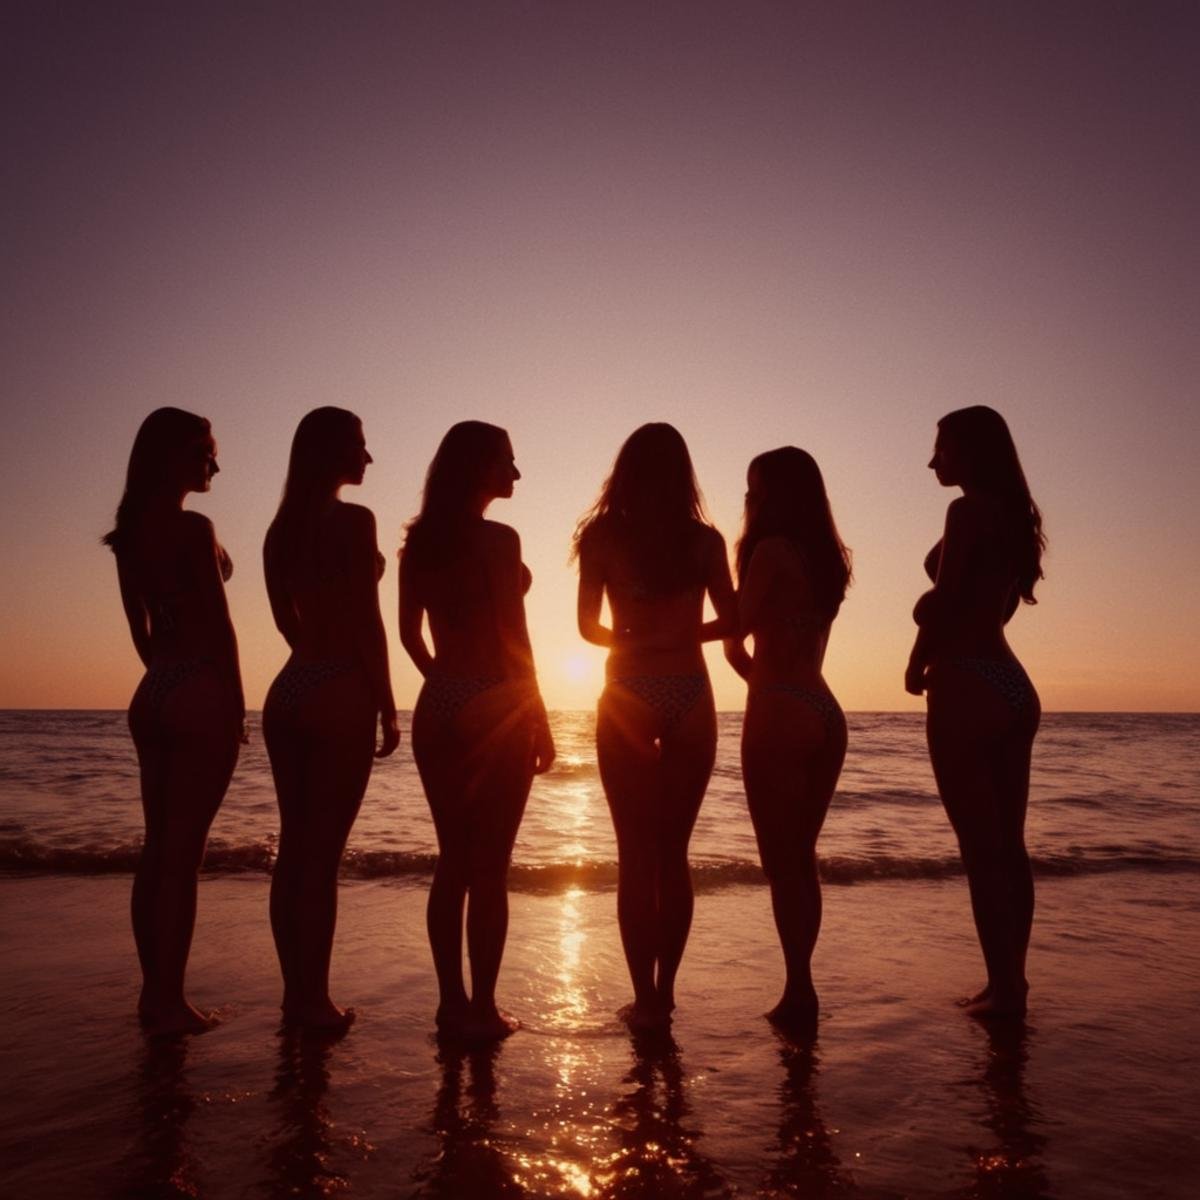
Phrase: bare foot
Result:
[645,1018]
[175,1020]
[488,1024]
[981,995]
[451,1019]
[795,1016]
[322,1018]
[996,1005]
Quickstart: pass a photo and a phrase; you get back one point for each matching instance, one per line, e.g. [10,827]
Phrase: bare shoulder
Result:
[971,515]
[353,516]
[777,555]
[501,540]
[197,530]
[710,539]
[777,550]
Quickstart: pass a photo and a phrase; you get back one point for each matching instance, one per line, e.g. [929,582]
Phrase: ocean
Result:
[1110,792]
[900,1096]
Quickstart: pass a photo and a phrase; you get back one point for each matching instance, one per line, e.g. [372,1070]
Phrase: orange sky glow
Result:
[764,225]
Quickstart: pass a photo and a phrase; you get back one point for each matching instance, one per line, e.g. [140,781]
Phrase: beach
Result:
[900,1095]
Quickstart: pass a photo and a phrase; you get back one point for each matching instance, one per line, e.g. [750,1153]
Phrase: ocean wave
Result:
[26,856]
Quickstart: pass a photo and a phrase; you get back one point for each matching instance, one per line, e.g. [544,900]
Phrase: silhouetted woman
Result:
[479,730]
[320,716]
[648,544]
[187,714]
[793,571]
[982,710]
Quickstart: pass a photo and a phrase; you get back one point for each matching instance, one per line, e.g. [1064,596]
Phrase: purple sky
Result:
[767,223]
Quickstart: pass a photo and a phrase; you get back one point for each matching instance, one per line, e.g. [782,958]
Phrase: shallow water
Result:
[1111,792]
[899,1096]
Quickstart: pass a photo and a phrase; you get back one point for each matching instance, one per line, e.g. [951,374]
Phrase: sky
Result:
[767,223]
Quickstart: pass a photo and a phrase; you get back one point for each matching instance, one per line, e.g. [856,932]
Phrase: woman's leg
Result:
[439,758]
[502,773]
[321,757]
[629,770]
[688,752]
[980,753]
[791,759]
[188,751]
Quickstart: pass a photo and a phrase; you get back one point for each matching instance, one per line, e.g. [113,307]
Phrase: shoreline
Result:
[901,1095]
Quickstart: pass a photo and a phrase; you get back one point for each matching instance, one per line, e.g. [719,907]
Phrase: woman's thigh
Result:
[629,760]
[187,748]
[687,755]
[791,760]
[477,769]
[979,748]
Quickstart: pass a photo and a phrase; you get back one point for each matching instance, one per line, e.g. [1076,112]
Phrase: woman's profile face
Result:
[199,464]
[502,473]
[755,491]
[358,457]
[946,462]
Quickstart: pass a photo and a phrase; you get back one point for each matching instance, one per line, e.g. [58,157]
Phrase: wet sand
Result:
[900,1095]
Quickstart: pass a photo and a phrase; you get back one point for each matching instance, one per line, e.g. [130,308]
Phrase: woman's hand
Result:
[543,743]
[914,677]
[390,731]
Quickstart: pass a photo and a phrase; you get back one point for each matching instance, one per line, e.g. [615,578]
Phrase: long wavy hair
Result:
[651,505]
[321,445]
[162,438]
[457,475]
[990,465]
[793,504]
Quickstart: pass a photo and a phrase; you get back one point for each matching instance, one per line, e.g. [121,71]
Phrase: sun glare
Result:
[580,668]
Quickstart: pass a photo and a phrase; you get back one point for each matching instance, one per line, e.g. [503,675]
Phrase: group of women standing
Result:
[480,731]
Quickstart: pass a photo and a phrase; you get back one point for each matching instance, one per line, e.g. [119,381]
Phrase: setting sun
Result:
[580,668]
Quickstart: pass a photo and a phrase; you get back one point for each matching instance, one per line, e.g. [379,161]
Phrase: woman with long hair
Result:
[983,712]
[793,571]
[647,543]
[322,711]
[480,731]
[187,714]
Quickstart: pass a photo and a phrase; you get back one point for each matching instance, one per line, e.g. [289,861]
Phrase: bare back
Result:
[656,632]
[474,602]
[779,608]
[171,575]
[310,571]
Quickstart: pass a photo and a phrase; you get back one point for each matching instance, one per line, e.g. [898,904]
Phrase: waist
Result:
[623,663]
[791,681]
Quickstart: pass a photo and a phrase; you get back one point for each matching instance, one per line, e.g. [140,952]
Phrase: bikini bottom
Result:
[1007,677]
[161,679]
[819,700]
[444,696]
[298,678]
[671,696]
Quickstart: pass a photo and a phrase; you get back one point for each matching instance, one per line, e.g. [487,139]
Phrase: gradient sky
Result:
[767,223]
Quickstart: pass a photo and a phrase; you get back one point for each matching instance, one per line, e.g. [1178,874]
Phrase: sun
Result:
[579,668]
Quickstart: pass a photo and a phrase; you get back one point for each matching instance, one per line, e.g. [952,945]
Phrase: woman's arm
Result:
[590,599]
[936,606]
[204,565]
[412,616]
[282,609]
[719,584]
[363,610]
[759,574]
[507,587]
[135,610]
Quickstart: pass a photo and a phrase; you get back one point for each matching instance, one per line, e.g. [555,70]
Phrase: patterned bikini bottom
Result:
[298,678]
[819,700]
[1007,677]
[671,696]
